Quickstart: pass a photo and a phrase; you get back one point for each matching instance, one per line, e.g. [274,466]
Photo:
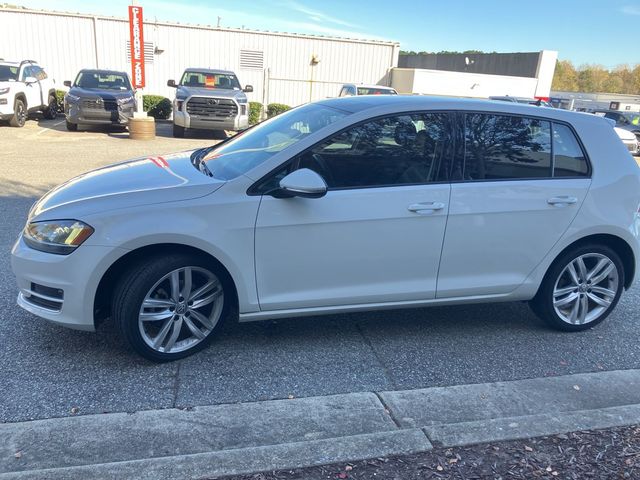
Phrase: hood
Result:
[184,92]
[133,183]
[624,134]
[105,93]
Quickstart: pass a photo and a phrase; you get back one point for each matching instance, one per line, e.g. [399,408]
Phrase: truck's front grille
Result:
[108,105]
[212,107]
[44,297]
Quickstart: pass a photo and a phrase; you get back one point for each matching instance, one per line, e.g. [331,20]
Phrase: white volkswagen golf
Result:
[342,205]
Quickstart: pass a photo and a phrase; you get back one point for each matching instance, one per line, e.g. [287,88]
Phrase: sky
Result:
[605,32]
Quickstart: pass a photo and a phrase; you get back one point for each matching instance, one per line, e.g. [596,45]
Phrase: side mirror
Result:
[248,88]
[67,83]
[171,83]
[30,80]
[304,183]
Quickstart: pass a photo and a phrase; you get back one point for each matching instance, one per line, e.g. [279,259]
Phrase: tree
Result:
[565,78]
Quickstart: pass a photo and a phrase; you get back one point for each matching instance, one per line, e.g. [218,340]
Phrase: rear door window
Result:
[506,147]
[569,158]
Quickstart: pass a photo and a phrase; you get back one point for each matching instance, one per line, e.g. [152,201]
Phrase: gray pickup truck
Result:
[209,100]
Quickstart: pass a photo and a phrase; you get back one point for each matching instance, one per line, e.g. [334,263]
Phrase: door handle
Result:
[562,200]
[426,207]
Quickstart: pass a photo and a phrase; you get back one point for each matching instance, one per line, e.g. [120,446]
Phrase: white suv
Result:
[24,88]
[342,205]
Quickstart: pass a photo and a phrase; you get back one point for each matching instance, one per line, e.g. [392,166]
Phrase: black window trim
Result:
[253,190]
[552,121]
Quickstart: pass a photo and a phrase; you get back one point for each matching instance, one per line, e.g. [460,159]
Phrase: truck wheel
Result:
[51,112]
[72,127]
[178,131]
[19,114]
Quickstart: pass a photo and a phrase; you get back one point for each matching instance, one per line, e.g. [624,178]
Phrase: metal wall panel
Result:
[65,43]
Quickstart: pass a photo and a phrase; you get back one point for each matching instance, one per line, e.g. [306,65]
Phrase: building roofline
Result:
[204,27]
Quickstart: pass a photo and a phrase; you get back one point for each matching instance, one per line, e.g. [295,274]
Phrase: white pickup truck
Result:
[25,88]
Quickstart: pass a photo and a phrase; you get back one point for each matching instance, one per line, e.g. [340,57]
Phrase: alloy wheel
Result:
[21,113]
[585,289]
[181,309]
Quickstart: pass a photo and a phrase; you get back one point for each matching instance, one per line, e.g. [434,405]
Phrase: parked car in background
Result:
[530,101]
[342,205]
[353,89]
[629,139]
[209,100]
[25,88]
[629,121]
[99,97]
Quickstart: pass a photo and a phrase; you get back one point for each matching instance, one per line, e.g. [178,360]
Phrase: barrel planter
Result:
[142,128]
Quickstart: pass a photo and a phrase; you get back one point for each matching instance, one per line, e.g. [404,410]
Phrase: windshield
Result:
[375,91]
[250,149]
[210,80]
[634,118]
[102,81]
[8,72]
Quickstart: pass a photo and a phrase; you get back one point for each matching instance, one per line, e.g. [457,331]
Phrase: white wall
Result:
[65,43]
[439,82]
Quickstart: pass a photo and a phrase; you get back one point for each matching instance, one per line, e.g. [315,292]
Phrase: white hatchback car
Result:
[346,204]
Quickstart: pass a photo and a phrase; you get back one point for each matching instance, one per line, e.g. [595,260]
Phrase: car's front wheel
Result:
[581,288]
[72,127]
[19,117]
[168,307]
[178,131]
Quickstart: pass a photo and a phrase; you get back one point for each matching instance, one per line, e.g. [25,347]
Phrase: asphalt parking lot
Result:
[48,371]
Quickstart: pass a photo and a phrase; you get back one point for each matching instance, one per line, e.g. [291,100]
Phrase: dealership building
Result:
[282,67]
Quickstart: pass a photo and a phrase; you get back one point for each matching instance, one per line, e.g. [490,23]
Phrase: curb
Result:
[244,438]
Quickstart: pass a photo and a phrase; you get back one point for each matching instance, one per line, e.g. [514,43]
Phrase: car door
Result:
[32,89]
[519,184]
[376,236]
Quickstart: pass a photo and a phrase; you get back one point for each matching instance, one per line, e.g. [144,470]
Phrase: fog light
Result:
[3,101]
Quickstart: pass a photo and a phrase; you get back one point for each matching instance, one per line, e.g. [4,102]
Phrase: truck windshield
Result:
[210,80]
[102,81]
[8,72]
[252,148]
[375,91]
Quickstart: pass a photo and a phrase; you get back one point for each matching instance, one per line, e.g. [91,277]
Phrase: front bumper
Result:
[6,109]
[235,123]
[77,113]
[61,288]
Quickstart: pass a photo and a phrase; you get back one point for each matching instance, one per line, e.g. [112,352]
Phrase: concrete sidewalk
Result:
[248,437]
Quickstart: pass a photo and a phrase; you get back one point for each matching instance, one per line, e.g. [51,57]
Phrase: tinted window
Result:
[506,147]
[398,150]
[569,159]
[210,80]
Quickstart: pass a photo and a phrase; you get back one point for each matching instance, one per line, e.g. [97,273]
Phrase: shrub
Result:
[255,112]
[60,99]
[274,109]
[157,106]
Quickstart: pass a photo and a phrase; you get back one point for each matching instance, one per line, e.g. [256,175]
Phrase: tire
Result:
[565,282]
[167,333]
[72,127]
[51,112]
[178,131]
[19,114]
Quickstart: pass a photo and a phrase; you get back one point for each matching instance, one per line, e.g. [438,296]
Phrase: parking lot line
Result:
[50,128]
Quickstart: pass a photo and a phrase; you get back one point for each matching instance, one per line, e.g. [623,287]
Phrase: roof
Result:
[211,71]
[419,102]
[204,27]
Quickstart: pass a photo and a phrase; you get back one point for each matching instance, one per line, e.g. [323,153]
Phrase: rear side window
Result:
[569,159]
[501,147]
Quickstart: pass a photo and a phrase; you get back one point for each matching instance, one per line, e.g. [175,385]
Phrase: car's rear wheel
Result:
[72,127]
[581,288]
[51,112]
[168,307]
[178,131]
[19,114]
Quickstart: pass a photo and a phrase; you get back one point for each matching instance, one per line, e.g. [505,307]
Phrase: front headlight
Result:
[4,90]
[56,236]
[71,98]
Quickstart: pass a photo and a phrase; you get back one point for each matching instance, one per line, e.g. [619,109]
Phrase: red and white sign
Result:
[136,39]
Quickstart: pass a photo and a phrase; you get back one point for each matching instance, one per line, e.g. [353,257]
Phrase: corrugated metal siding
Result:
[65,43]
